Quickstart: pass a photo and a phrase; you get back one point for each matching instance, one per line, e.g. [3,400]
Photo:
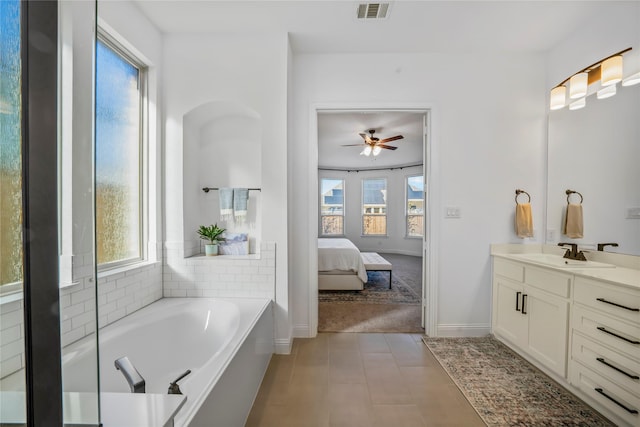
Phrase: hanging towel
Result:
[524,220]
[240,201]
[573,226]
[226,203]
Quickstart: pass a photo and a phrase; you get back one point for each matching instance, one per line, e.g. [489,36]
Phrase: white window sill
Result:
[126,268]
[225,257]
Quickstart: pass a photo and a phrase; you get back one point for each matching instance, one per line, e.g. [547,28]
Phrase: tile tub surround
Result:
[223,276]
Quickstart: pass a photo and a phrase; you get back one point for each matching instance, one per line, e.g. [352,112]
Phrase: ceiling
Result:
[330,26]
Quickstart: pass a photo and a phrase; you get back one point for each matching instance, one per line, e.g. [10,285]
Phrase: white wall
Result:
[396,240]
[488,138]
[252,72]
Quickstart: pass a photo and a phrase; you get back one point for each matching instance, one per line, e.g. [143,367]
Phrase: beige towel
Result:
[524,220]
[573,226]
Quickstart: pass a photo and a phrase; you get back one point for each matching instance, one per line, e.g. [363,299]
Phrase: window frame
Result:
[118,47]
[344,208]
[386,207]
[406,206]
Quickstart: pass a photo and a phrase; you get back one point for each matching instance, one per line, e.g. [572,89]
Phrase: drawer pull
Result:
[518,300]
[617,305]
[524,303]
[601,328]
[629,410]
[601,360]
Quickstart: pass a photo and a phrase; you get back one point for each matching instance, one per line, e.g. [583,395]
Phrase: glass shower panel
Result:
[78,279]
[12,347]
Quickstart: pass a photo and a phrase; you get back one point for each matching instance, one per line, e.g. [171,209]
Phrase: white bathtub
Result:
[226,343]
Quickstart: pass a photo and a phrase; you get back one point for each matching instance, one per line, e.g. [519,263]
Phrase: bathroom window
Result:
[415,205]
[374,207]
[119,153]
[10,148]
[331,207]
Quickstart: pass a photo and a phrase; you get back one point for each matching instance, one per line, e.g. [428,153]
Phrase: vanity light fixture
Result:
[606,92]
[578,104]
[607,72]
[633,79]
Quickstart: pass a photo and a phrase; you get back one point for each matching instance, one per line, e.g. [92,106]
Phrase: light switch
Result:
[452,212]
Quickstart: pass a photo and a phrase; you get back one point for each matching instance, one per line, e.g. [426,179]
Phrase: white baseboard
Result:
[471,330]
[283,345]
[301,331]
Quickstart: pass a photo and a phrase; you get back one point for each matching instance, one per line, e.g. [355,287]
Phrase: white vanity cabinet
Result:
[605,356]
[531,312]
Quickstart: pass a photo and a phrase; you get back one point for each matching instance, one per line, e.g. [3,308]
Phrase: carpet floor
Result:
[505,389]
[377,308]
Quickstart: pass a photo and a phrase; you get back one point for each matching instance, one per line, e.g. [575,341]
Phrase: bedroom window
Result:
[374,207]
[415,206]
[332,207]
[119,148]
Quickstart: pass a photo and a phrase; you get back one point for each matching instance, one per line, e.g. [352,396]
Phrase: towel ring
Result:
[518,192]
[570,192]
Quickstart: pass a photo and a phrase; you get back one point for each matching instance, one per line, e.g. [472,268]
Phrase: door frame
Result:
[432,206]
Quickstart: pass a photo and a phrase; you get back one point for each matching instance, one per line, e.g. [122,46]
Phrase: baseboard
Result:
[471,330]
[301,331]
[283,345]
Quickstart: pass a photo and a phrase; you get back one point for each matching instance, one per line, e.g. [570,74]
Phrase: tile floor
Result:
[350,379]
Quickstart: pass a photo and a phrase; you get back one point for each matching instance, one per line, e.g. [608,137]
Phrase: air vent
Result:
[373,10]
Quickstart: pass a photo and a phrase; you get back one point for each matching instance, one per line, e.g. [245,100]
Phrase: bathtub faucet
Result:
[173,386]
[133,377]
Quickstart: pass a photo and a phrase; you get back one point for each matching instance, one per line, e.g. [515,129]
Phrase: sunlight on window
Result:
[118,148]
[415,206]
[332,207]
[374,207]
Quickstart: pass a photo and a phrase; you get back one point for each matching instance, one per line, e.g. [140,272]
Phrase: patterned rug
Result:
[505,389]
[376,291]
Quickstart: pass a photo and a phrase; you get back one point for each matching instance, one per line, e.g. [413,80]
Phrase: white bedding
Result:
[340,254]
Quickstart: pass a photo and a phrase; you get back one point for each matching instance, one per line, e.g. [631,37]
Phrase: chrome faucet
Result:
[573,252]
[131,374]
[601,246]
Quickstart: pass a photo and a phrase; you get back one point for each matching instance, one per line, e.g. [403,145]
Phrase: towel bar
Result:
[570,192]
[207,189]
[518,192]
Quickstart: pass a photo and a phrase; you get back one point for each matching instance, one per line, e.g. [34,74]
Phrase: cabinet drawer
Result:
[617,400]
[548,280]
[612,365]
[618,334]
[612,299]
[511,270]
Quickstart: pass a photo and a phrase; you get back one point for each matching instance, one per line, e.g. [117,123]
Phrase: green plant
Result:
[211,233]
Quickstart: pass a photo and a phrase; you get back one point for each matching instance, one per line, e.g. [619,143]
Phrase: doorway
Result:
[342,159]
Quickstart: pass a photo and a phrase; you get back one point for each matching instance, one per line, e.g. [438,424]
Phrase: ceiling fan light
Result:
[578,85]
[611,71]
[376,150]
[633,79]
[557,99]
[367,150]
[578,104]
[606,92]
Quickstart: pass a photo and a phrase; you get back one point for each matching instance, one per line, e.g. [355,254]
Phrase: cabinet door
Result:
[548,329]
[508,320]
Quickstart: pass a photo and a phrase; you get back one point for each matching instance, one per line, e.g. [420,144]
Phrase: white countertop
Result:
[618,275]
[117,409]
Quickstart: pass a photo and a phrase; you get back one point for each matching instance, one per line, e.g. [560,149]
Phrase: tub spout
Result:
[133,377]
[173,386]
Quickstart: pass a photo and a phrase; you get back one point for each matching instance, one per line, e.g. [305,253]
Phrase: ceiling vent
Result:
[373,10]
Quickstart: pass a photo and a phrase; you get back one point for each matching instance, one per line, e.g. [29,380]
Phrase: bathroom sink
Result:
[552,260]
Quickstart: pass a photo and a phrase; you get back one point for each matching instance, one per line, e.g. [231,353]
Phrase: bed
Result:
[340,266]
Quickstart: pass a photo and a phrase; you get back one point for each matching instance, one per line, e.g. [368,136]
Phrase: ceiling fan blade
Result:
[388,147]
[393,138]
[363,135]
[352,145]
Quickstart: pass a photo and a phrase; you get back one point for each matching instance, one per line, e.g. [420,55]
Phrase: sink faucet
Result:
[573,252]
[601,246]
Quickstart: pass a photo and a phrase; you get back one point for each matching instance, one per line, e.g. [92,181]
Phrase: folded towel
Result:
[226,203]
[524,220]
[240,201]
[573,226]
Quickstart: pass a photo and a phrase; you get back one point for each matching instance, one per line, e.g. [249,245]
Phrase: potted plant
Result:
[212,234]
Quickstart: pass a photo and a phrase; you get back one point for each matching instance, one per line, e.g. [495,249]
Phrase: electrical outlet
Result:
[551,235]
[452,212]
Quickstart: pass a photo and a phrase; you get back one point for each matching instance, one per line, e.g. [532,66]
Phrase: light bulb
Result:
[578,85]
[611,71]
[367,150]
[376,150]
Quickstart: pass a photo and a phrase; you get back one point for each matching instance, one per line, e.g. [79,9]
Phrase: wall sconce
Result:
[608,72]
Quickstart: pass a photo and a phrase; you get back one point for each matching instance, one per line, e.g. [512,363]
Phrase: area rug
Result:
[505,389]
[376,291]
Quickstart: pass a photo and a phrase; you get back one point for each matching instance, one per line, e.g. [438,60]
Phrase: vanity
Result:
[577,321]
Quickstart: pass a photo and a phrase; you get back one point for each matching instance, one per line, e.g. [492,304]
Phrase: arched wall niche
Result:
[222,148]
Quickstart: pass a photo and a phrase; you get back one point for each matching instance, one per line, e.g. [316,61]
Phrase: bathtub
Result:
[226,343]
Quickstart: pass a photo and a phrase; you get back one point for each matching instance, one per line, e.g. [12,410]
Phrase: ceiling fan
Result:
[373,145]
